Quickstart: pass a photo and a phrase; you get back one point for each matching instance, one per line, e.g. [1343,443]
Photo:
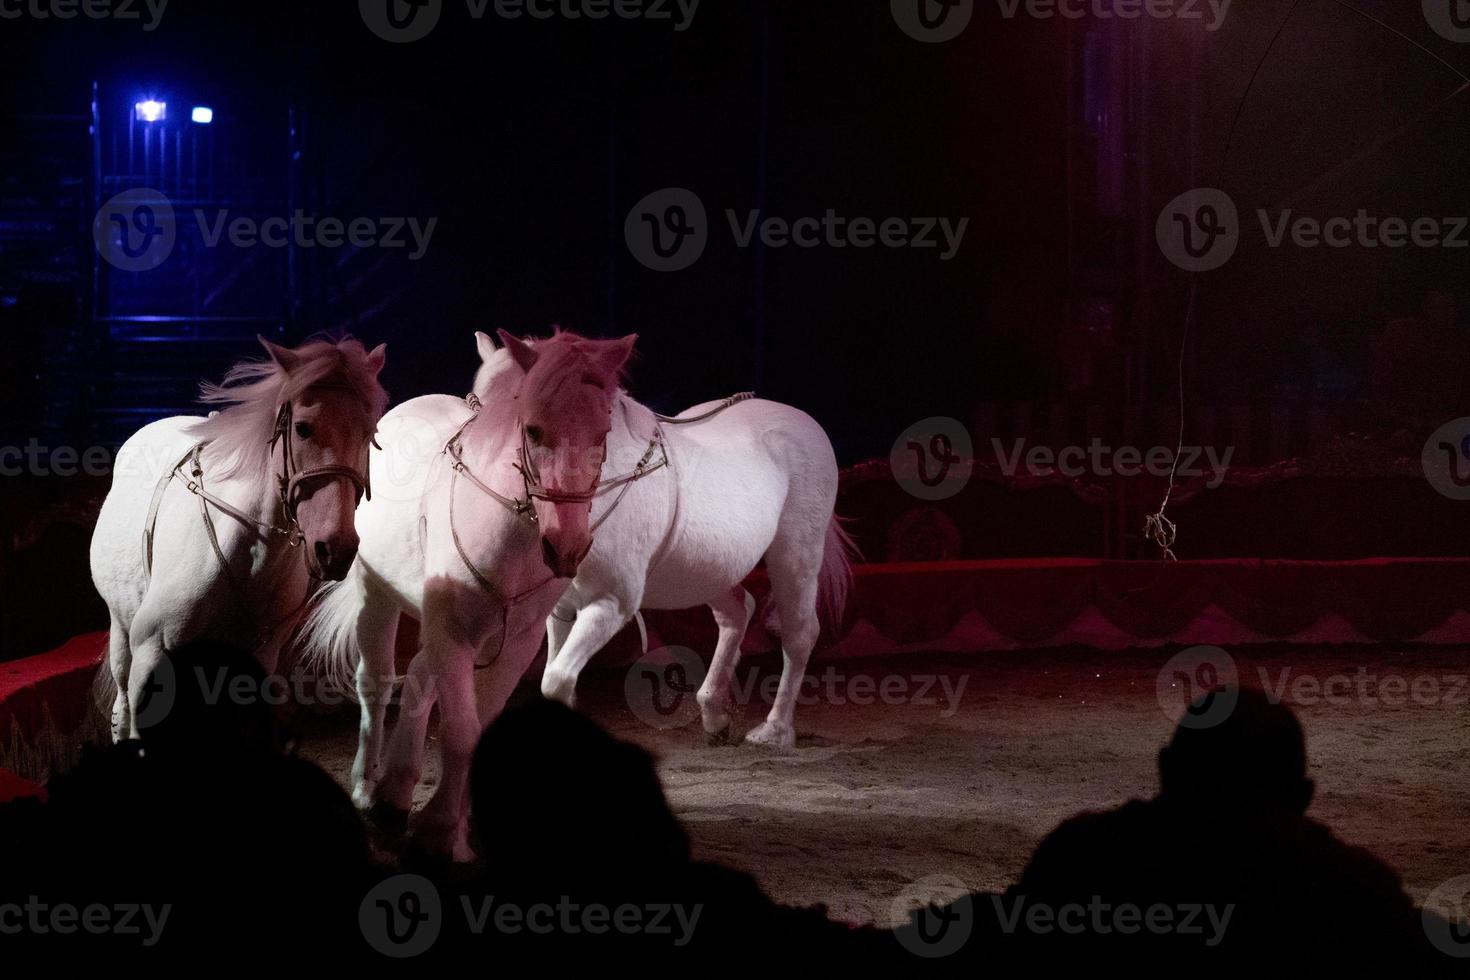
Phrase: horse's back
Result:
[766,439]
[117,540]
[741,474]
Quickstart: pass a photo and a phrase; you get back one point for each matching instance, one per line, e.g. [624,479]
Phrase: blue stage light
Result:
[150,110]
[202,114]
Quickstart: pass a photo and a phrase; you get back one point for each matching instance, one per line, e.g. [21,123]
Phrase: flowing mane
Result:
[253,391]
[566,360]
[564,352]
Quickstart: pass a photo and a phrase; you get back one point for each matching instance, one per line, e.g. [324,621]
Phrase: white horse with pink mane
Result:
[561,476]
[221,527]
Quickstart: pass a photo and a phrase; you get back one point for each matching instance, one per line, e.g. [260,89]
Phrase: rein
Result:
[524,507]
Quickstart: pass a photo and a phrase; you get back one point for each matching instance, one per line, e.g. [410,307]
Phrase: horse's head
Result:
[331,401]
[564,408]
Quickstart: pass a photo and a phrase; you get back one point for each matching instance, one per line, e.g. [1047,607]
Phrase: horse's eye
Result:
[534,433]
[303,430]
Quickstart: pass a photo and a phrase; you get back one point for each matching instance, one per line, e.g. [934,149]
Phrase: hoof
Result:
[390,821]
[772,735]
[559,685]
[721,737]
[362,796]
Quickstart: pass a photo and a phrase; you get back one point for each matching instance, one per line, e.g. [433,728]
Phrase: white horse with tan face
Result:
[221,527]
[560,488]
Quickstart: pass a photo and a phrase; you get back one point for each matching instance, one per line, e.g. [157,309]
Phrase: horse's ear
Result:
[521,352]
[286,358]
[485,344]
[377,357]
[611,355]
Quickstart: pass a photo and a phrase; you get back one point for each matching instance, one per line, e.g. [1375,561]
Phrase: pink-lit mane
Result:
[253,391]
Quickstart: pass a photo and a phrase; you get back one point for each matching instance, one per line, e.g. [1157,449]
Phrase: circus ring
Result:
[975,704]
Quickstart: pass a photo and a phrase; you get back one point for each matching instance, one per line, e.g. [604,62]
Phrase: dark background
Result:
[530,140]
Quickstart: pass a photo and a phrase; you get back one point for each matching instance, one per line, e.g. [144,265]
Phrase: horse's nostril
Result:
[548,554]
[323,554]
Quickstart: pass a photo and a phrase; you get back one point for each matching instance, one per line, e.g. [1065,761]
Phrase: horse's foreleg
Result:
[119,660]
[149,697]
[440,827]
[377,629]
[732,615]
[595,625]
[405,759]
[558,625]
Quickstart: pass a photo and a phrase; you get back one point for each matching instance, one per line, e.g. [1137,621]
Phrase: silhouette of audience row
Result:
[207,842]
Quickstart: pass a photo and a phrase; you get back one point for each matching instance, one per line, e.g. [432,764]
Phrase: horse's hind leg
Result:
[793,564]
[732,615]
[119,659]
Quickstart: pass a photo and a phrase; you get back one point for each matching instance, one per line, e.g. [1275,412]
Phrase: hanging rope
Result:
[1156,526]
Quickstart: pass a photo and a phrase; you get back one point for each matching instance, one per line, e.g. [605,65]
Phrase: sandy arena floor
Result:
[876,796]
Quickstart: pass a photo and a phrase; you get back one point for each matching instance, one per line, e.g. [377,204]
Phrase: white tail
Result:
[834,582]
[328,639]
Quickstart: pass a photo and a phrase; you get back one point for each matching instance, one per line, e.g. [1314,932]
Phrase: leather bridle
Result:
[291,477]
[532,487]
[287,482]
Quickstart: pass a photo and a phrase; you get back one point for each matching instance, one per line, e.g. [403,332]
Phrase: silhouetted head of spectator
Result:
[555,799]
[207,698]
[1254,758]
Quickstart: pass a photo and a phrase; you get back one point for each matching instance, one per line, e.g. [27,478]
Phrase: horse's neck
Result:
[633,424]
[489,443]
[255,493]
